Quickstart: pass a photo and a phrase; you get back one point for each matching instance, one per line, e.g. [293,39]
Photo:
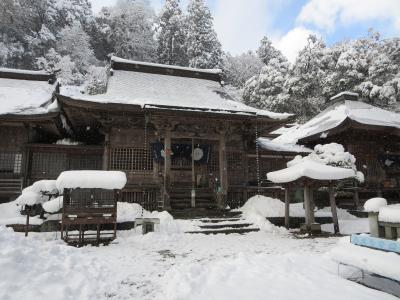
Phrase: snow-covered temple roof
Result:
[25,92]
[171,87]
[336,115]
[273,145]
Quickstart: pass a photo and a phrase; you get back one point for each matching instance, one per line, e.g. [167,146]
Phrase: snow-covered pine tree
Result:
[129,26]
[75,42]
[203,48]
[240,68]
[171,37]
[305,82]
[266,90]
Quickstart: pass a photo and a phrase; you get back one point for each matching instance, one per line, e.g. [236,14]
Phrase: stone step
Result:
[226,231]
[203,213]
[226,226]
[219,220]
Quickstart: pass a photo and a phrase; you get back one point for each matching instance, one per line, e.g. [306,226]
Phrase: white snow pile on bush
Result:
[53,205]
[374,204]
[129,212]
[263,276]
[33,269]
[36,193]
[383,263]
[326,162]
[390,213]
[271,207]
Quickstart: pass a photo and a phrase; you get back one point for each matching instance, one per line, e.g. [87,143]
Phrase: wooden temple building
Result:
[370,133]
[181,139]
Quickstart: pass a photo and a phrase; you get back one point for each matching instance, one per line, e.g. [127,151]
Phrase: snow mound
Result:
[54,205]
[263,276]
[390,213]
[35,193]
[129,212]
[271,207]
[91,179]
[374,204]
[10,213]
[36,269]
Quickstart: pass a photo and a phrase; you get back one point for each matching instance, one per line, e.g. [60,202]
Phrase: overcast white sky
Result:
[240,24]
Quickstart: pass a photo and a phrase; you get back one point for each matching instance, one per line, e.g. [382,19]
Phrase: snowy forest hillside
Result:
[65,36]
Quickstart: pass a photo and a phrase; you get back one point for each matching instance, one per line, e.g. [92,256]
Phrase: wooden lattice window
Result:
[86,162]
[91,198]
[131,159]
[10,162]
[213,163]
[148,199]
[49,164]
[235,161]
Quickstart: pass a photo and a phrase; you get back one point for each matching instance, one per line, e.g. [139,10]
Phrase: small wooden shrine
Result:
[309,176]
[89,212]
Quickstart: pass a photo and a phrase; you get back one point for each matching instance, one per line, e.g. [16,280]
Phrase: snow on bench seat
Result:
[378,262]
[389,214]
[108,180]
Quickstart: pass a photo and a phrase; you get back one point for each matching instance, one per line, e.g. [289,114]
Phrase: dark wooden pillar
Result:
[167,167]
[106,152]
[287,207]
[223,169]
[332,201]
[309,213]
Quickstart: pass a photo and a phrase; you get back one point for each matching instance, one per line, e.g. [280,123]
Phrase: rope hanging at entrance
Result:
[257,158]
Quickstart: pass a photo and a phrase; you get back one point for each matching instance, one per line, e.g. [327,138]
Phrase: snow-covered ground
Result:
[174,265]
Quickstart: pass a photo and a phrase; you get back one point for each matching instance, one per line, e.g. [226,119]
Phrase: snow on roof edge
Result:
[344,93]
[134,62]
[23,71]
[270,144]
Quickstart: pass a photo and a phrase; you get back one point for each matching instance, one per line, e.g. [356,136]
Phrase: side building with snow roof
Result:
[181,139]
[28,114]
[370,133]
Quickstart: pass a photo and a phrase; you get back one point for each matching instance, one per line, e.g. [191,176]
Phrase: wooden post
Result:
[307,206]
[28,210]
[193,192]
[106,152]
[167,167]
[312,204]
[287,207]
[356,197]
[223,170]
[332,201]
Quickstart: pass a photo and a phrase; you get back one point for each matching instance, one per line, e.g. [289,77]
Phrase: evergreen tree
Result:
[266,90]
[203,48]
[171,48]
[129,27]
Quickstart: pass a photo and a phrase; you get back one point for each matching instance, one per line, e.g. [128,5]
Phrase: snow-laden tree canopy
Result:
[369,66]
[203,48]
[171,48]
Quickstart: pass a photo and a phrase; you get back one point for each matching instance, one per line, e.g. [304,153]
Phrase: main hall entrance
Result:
[193,173]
